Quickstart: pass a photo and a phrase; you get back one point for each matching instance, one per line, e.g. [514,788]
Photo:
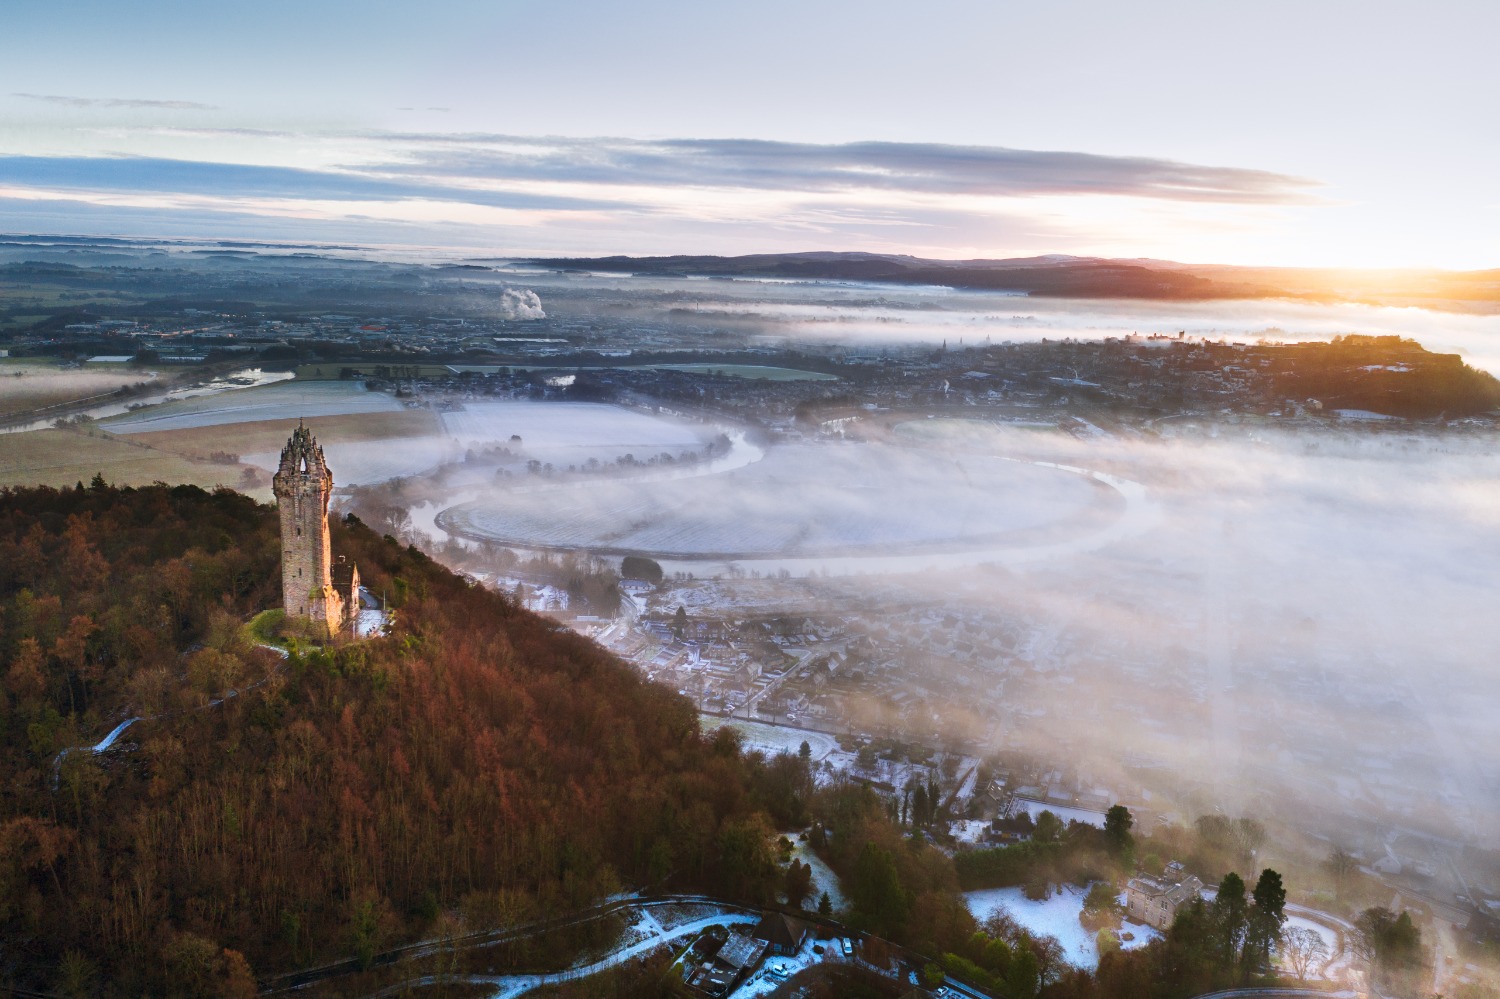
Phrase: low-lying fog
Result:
[1292,622]
[1297,624]
[1300,623]
[883,315]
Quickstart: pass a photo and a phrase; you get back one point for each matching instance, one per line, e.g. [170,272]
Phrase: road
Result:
[509,986]
[804,656]
[109,740]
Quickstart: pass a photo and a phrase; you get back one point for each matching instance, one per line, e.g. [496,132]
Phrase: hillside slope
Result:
[476,763]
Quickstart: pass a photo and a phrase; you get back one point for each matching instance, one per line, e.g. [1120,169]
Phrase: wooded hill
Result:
[477,767]
[478,760]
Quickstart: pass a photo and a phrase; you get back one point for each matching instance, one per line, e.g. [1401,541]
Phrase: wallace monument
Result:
[313,586]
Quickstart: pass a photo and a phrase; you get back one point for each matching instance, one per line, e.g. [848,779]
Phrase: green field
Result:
[270,435]
[63,458]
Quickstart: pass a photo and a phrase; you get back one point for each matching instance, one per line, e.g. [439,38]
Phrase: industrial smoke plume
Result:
[522,304]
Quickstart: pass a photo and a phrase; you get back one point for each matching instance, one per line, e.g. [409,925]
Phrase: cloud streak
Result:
[149,175]
[910,168]
[601,195]
[116,102]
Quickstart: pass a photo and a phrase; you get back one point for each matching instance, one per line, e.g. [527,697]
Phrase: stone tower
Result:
[303,485]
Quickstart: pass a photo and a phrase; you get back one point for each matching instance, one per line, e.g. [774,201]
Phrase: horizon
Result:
[413,252]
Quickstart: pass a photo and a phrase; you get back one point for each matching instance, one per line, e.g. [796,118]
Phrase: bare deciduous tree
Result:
[1303,949]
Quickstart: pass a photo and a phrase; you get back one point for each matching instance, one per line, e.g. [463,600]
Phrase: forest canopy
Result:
[267,812]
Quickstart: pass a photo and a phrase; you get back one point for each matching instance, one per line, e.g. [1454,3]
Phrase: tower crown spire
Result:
[303,455]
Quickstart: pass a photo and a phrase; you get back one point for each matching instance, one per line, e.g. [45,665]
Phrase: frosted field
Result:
[773,739]
[283,400]
[845,498]
[823,877]
[1057,917]
[367,462]
[1065,812]
[570,433]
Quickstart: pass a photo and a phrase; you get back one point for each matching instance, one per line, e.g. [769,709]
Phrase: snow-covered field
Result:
[279,401]
[568,433]
[800,499]
[1065,812]
[772,739]
[366,462]
[824,879]
[1057,917]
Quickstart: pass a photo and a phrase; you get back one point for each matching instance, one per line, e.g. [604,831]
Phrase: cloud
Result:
[117,102]
[911,168]
[141,175]
[599,195]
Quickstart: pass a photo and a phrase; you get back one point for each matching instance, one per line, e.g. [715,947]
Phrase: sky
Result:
[1308,133]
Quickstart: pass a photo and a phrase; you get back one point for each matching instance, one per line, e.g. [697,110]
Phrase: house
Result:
[783,934]
[741,952]
[719,975]
[1155,900]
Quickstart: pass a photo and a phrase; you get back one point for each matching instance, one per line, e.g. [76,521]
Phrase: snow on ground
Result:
[823,877]
[1341,956]
[1329,937]
[776,969]
[278,401]
[773,739]
[968,830]
[1064,812]
[507,986]
[365,462]
[370,622]
[1057,916]
[566,433]
[672,916]
[109,740]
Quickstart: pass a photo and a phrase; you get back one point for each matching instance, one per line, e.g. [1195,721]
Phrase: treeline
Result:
[476,764]
[904,889]
[1054,853]
[1385,374]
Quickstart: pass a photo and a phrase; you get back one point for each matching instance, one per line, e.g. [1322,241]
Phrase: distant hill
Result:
[1060,276]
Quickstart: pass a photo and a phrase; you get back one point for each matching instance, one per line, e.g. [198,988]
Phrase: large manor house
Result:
[313,586]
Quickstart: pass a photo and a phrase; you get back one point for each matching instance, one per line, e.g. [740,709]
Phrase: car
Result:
[848,947]
[940,991]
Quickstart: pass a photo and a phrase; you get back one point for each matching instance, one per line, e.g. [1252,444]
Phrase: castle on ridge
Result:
[313,586]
